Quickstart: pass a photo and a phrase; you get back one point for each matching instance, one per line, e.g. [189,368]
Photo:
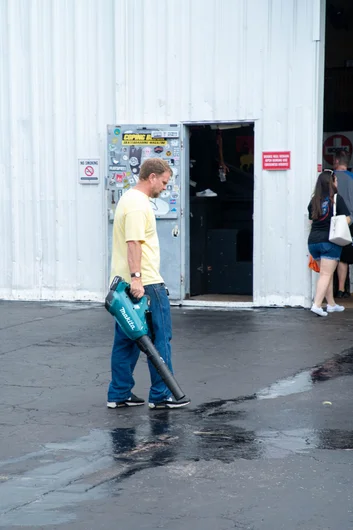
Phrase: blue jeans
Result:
[325,250]
[125,352]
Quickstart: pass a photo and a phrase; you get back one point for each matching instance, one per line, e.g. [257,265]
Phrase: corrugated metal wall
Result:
[57,95]
[68,68]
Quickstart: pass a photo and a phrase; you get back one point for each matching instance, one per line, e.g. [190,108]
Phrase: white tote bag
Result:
[339,229]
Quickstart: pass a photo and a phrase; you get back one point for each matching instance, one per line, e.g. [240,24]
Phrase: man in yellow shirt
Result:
[136,258]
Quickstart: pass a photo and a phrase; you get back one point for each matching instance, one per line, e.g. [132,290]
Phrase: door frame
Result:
[185,218]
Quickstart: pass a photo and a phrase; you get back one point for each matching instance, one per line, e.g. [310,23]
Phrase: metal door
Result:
[127,148]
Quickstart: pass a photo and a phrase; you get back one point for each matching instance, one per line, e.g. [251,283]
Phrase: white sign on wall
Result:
[88,170]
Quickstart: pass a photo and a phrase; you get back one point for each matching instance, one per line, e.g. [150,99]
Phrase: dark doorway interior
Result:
[338,101]
[221,209]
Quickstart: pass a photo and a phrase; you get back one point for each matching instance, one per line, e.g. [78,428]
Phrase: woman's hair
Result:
[325,187]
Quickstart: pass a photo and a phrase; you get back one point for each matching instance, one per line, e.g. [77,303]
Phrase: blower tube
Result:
[146,345]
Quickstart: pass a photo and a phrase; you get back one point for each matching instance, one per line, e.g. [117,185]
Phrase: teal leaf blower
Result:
[133,316]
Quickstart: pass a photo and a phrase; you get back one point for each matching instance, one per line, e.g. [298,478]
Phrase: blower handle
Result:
[115,283]
[146,345]
[133,299]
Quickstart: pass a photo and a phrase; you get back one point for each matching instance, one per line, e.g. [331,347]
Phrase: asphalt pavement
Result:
[266,443]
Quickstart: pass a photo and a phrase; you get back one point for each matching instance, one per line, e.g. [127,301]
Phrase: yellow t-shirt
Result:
[135,221]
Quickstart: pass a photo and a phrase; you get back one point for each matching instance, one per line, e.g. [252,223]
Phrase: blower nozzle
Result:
[146,345]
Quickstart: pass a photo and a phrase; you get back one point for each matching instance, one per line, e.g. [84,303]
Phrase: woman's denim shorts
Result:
[325,250]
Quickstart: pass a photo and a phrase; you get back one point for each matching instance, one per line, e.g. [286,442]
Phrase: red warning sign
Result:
[276,160]
[335,143]
[89,171]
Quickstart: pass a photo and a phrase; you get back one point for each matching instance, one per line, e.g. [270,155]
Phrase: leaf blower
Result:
[134,318]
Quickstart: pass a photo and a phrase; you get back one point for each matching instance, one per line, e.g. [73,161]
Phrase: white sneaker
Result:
[335,308]
[206,193]
[318,311]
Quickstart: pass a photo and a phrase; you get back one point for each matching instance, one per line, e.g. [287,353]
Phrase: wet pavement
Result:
[266,443]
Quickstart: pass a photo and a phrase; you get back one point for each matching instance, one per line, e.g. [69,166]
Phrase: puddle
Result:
[338,366]
[34,495]
[280,444]
[301,382]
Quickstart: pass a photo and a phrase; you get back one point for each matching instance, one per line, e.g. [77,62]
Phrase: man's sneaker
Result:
[132,401]
[318,311]
[170,403]
[206,193]
[335,308]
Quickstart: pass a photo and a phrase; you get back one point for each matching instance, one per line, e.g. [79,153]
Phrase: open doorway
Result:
[338,102]
[221,211]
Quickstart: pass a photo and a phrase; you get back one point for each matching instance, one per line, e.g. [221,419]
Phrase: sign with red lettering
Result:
[276,160]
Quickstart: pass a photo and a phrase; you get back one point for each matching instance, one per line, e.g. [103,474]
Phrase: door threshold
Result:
[218,300]
[222,298]
[218,303]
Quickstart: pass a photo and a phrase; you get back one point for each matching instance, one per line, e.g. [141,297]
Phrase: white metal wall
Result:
[56,97]
[69,67]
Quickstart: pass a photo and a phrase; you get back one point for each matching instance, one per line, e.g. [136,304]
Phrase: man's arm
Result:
[134,253]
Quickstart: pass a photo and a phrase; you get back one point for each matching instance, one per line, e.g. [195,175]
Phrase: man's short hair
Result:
[342,158]
[153,165]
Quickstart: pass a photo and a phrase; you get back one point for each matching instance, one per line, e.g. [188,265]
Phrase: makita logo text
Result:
[127,318]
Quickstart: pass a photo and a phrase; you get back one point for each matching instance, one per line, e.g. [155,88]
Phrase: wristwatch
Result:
[136,275]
